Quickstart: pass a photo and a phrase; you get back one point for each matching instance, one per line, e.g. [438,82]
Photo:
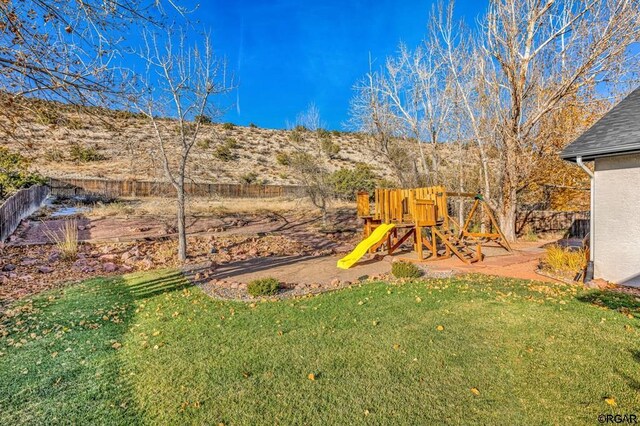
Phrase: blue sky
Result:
[286,54]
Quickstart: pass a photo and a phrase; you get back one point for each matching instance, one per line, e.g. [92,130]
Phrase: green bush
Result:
[223,153]
[323,134]
[14,174]
[228,126]
[231,143]
[263,287]
[54,155]
[330,148]
[386,183]
[84,154]
[49,117]
[283,158]
[204,143]
[203,119]
[249,178]
[347,183]
[295,136]
[405,270]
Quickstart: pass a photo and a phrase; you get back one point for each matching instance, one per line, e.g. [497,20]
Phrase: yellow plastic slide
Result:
[378,234]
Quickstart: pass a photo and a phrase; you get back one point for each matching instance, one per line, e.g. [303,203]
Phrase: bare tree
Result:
[314,177]
[181,82]
[67,50]
[310,118]
[540,54]
[371,113]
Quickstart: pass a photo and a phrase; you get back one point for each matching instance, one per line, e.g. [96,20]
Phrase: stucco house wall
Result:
[617,219]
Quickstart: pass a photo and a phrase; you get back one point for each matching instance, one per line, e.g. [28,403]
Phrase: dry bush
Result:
[67,240]
[112,209]
[559,259]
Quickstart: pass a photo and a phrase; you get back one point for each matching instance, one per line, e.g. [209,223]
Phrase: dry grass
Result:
[166,207]
[560,259]
[67,240]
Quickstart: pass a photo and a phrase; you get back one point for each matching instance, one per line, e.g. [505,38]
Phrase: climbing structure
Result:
[421,221]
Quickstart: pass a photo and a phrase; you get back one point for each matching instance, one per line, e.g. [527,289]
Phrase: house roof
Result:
[618,132]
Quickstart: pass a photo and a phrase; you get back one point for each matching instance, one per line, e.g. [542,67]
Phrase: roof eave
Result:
[590,156]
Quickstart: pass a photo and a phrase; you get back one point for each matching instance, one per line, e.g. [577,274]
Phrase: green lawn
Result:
[146,348]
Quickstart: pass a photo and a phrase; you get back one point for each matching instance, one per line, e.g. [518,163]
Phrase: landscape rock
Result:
[28,261]
[146,263]
[54,257]
[8,267]
[109,267]
[45,269]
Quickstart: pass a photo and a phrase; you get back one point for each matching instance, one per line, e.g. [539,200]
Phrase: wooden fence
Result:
[19,206]
[133,188]
[574,224]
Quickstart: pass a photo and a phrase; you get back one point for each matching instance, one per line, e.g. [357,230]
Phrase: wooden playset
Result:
[419,218]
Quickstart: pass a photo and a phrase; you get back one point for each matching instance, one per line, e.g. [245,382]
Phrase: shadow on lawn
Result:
[621,302]
[66,385]
[632,382]
[169,282]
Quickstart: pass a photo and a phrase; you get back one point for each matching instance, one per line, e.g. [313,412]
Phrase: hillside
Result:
[62,142]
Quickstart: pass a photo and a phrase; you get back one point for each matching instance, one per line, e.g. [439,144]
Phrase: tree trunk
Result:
[507,215]
[182,231]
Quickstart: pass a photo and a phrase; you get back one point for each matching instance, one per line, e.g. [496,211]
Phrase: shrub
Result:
[263,287]
[347,183]
[386,183]
[559,259]
[336,133]
[528,234]
[223,153]
[323,134]
[330,148]
[228,126]
[54,154]
[295,136]
[14,173]
[49,116]
[84,154]
[405,270]
[203,119]
[300,128]
[67,240]
[231,143]
[204,143]
[249,178]
[253,126]
[283,158]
